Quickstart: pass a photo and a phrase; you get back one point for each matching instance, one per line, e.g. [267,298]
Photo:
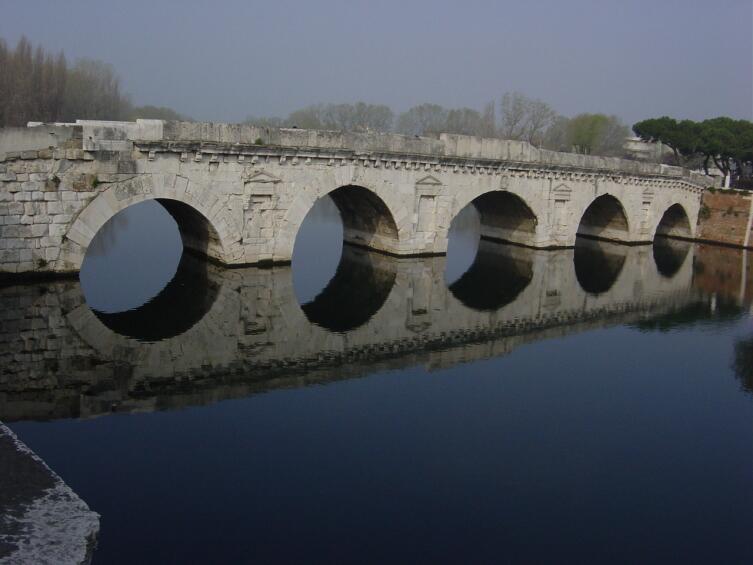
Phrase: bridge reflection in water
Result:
[214,333]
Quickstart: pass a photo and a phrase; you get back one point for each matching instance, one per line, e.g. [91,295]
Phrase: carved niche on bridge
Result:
[258,205]
[427,191]
[561,195]
[647,198]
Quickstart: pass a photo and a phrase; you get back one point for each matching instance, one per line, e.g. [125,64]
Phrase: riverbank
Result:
[41,520]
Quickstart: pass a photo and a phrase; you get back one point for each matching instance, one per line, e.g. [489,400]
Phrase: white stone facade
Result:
[240,193]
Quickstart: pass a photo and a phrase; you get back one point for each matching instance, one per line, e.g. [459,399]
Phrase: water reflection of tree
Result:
[743,363]
[108,234]
[698,313]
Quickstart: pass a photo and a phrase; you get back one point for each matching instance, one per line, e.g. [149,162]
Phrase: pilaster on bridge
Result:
[240,193]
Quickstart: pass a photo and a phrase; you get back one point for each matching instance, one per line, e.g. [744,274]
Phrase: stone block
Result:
[39,230]
[32,186]
[54,207]
[27,155]
[58,230]
[53,240]
[10,256]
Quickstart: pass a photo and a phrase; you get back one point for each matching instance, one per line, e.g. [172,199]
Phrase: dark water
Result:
[502,405]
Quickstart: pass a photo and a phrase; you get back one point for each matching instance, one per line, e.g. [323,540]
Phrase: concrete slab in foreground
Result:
[41,519]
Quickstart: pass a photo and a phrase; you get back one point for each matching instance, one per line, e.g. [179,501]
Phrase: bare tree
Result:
[424,119]
[489,120]
[514,111]
[524,118]
[93,92]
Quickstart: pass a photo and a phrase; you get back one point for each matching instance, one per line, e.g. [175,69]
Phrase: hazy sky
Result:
[223,60]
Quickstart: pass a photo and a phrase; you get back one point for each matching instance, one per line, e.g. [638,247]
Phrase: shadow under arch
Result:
[598,264]
[505,216]
[674,223]
[366,219]
[497,276]
[183,302]
[604,218]
[669,255]
[196,232]
[358,290]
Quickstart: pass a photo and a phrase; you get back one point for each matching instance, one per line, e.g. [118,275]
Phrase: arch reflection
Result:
[498,274]
[174,310]
[361,284]
[598,264]
[669,255]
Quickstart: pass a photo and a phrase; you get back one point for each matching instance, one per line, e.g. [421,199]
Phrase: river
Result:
[500,404]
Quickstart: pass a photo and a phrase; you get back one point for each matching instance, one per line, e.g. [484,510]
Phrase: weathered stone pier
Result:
[239,193]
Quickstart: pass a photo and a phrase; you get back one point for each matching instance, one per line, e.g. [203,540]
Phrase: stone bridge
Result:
[240,193]
[239,331]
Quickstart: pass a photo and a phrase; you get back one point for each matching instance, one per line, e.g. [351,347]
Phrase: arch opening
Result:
[598,265]
[605,219]
[366,219]
[141,275]
[349,214]
[197,234]
[504,216]
[674,223]
[317,250]
[488,264]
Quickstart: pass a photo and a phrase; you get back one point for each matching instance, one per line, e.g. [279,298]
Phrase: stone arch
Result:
[674,223]
[605,218]
[370,219]
[205,226]
[504,216]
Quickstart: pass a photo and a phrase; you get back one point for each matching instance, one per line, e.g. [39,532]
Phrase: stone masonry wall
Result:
[726,217]
[42,192]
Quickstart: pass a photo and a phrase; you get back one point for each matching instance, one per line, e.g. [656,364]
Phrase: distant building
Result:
[636,148]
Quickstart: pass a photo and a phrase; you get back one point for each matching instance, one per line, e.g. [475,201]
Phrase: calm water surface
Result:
[499,405]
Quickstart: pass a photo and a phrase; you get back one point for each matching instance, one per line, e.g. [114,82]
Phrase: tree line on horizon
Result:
[37,85]
[514,116]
